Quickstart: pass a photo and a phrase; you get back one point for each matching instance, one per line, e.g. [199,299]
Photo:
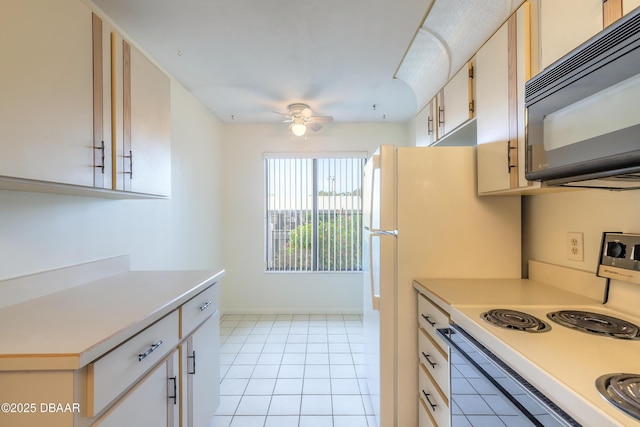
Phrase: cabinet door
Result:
[47,99]
[152,402]
[203,372]
[425,128]
[492,112]
[432,128]
[502,67]
[629,5]
[142,161]
[457,99]
[564,25]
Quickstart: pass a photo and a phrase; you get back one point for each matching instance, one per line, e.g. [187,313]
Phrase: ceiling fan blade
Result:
[322,119]
[314,126]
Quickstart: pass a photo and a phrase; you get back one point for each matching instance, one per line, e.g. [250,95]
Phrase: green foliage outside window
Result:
[338,243]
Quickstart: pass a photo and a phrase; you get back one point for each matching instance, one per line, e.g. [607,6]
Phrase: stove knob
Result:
[636,253]
[616,249]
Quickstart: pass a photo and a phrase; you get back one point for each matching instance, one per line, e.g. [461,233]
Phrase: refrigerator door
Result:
[379,307]
[379,207]
[379,287]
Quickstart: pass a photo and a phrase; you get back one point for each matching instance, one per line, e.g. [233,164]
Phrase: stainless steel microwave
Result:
[583,113]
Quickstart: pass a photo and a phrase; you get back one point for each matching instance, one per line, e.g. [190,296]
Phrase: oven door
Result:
[485,391]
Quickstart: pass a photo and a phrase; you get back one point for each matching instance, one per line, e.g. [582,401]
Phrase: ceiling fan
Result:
[301,118]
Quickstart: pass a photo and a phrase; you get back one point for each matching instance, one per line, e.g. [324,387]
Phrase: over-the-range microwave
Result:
[583,113]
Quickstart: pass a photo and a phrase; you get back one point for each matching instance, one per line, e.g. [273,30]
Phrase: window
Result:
[314,212]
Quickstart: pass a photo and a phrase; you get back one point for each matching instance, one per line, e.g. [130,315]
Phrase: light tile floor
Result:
[292,371]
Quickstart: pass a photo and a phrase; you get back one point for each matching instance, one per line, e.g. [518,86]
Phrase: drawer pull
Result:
[153,347]
[175,390]
[426,396]
[205,305]
[428,320]
[193,356]
[426,356]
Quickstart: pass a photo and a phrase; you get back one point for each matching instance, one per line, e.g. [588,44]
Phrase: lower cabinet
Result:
[200,373]
[153,402]
[166,375]
[434,409]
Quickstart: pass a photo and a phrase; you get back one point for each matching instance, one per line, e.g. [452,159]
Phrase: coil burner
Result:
[596,323]
[622,390]
[516,320]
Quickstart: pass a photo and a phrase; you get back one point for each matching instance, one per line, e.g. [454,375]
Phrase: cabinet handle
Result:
[426,396]
[509,165]
[426,356]
[153,347]
[472,106]
[193,356]
[429,125]
[175,390]
[428,320]
[130,157]
[440,116]
[101,166]
[205,305]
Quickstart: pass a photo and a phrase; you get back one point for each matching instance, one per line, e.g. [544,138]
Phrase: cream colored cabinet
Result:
[502,70]
[154,401]
[613,10]
[455,102]
[426,131]
[201,373]
[563,26]
[47,92]
[199,355]
[433,367]
[629,5]
[142,115]
[72,120]
[432,128]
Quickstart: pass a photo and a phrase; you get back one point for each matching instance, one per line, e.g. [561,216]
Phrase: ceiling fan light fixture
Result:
[298,129]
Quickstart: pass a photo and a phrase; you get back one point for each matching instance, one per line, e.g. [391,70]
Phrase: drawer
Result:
[425,419]
[433,400]
[434,359]
[117,370]
[432,317]
[197,309]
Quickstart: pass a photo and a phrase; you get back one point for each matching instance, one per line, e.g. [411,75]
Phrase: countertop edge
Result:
[78,360]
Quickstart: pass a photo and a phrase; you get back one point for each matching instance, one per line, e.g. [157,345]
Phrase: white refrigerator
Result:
[422,218]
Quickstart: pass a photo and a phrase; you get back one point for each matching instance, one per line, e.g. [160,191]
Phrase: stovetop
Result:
[562,362]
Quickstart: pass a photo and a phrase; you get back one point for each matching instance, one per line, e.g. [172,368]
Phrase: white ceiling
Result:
[245,59]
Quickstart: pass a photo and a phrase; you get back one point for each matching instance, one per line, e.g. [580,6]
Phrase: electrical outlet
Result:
[575,246]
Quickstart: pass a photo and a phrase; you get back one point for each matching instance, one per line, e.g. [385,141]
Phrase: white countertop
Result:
[70,328]
[563,363]
[497,291]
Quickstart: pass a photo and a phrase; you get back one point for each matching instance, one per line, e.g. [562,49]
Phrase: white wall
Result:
[548,218]
[247,287]
[44,231]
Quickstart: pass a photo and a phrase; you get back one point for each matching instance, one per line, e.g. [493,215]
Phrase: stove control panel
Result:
[620,257]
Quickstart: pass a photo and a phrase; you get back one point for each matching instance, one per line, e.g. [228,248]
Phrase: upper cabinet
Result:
[564,25]
[62,106]
[502,69]
[47,92]
[426,127]
[449,110]
[455,101]
[538,34]
[629,5]
[141,108]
